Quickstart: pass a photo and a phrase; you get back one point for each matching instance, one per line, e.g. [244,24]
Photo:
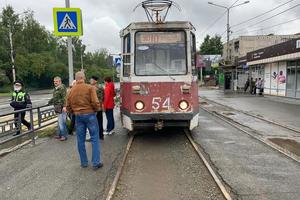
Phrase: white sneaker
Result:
[111,132]
[105,133]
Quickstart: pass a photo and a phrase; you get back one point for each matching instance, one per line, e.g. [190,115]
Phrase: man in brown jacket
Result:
[83,102]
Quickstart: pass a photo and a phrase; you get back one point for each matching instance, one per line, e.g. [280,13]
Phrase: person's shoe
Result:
[111,132]
[105,133]
[101,137]
[17,133]
[62,138]
[98,166]
[57,137]
[84,166]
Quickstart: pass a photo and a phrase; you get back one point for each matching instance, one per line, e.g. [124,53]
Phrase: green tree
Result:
[39,55]
[211,45]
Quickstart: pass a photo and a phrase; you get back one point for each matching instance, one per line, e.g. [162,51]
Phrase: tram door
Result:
[291,80]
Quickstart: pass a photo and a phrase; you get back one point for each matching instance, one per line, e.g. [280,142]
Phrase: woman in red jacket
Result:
[109,104]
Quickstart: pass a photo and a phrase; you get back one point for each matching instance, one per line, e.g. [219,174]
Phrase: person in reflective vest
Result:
[19,101]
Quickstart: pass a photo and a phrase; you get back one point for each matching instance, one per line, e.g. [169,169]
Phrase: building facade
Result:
[279,67]
[235,68]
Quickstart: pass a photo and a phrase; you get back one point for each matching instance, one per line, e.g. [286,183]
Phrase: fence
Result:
[10,123]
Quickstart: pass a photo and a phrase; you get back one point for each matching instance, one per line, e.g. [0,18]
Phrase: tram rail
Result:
[223,189]
[257,117]
[261,139]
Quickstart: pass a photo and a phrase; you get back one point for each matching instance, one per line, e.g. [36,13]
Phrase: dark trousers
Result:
[23,121]
[110,120]
[72,124]
[100,123]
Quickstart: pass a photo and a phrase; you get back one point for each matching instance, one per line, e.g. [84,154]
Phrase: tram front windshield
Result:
[160,53]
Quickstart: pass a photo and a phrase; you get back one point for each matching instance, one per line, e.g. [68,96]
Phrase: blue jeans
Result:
[84,122]
[110,120]
[62,124]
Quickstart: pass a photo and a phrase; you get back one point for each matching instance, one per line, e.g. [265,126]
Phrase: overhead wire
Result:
[269,27]
[262,14]
[239,30]
[217,19]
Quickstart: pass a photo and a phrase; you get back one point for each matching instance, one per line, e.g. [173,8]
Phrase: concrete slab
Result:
[285,111]
[250,168]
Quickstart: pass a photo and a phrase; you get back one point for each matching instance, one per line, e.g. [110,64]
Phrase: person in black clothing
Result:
[19,101]
[100,95]
[246,85]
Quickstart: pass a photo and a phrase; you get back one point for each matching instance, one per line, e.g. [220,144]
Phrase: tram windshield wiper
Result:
[164,71]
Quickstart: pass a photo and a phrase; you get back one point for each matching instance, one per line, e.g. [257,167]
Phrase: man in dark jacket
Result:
[100,95]
[19,101]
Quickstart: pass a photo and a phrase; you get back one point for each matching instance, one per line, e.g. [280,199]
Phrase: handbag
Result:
[58,108]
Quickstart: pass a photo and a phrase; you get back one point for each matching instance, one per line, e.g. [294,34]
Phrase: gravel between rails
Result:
[165,166]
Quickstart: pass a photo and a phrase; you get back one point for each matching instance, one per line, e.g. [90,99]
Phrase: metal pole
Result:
[70,53]
[228,32]
[12,55]
[81,58]
[201,75]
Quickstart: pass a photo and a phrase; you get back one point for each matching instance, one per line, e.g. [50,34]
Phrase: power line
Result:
[262,14]
[212,24]
[267,18]
[269,27]
[220,17]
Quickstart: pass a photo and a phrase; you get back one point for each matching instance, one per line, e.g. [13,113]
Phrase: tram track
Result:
[256,116]
[220,188]
[243,129]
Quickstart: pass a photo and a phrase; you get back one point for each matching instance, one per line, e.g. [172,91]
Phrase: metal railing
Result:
[11,123]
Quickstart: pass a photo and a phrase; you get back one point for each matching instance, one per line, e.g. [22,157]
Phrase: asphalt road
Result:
[253,170]
[51,170]
[38,98]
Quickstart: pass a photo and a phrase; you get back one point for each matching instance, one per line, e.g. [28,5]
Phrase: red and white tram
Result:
[158,81]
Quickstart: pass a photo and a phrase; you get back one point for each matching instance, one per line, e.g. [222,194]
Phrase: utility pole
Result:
[228,26]
[12,54]
[70,53]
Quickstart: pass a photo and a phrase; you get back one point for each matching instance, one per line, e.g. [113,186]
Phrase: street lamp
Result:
[228,27]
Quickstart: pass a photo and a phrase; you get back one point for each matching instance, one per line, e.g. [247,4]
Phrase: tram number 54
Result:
[158,102]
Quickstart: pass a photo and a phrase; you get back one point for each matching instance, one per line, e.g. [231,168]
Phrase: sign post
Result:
[68,22]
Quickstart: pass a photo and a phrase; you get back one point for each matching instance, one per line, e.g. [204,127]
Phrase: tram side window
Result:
[126,56]
[193,53]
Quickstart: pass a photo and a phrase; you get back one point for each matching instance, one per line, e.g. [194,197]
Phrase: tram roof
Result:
[152,25]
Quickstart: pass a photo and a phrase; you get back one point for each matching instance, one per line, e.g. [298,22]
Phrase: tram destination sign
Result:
[160,38]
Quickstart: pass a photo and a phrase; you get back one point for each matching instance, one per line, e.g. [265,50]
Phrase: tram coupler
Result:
[159,125]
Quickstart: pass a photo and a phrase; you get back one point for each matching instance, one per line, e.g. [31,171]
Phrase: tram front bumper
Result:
[133,121]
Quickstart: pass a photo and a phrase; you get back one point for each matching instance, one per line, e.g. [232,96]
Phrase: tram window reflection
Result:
[160,53]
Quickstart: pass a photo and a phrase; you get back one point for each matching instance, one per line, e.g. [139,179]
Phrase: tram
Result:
[158,79]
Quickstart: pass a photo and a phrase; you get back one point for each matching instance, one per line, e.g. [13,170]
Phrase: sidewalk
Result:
[51,170]
[282,110]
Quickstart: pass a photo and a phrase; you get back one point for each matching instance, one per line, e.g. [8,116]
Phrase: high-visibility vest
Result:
[19,97]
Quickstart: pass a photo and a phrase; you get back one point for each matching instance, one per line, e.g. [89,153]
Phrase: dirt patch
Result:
[288,144]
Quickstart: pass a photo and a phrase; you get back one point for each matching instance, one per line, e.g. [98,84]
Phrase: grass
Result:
[5,94]
[48,132]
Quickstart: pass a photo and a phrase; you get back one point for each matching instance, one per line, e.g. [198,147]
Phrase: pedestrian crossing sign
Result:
[67,22]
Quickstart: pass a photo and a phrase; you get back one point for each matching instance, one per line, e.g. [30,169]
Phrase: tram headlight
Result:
[183,105]
[139,105]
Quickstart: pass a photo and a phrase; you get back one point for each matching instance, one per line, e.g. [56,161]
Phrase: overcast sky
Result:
[103,19]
